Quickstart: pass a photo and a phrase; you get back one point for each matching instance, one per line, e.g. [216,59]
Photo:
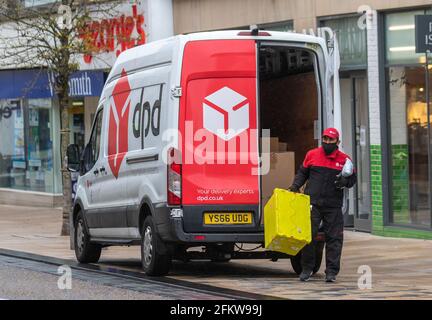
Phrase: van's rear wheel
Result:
[155,256]
[85,251]
[296,261]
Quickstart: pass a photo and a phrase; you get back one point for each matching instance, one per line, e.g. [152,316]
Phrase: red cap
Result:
[331,132]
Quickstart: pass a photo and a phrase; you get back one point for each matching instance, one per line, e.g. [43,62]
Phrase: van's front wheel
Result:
[85,251]
[155,257]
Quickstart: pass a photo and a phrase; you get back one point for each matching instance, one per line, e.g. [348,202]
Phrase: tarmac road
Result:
[21,284]
[23,279]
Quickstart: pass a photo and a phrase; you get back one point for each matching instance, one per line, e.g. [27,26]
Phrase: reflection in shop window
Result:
[352,41]
[400,37]
[76,123]
[39,175]
[26,150]
[12,146]
[283,26]
[409,136]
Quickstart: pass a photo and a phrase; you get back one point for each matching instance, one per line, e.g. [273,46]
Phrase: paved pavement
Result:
[401,268]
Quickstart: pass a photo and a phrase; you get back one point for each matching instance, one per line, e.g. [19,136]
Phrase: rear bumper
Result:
[182,236]
[172,230]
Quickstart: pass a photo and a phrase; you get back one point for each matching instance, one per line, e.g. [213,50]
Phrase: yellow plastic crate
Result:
[287,223]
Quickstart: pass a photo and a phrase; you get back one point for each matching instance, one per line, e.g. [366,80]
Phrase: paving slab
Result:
[401,268]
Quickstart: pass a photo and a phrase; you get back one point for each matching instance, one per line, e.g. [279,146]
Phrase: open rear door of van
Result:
[218,124]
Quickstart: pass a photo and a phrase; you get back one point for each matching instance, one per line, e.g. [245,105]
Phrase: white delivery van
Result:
[173,160]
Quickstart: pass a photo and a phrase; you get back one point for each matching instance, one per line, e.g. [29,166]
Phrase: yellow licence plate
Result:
[228,218]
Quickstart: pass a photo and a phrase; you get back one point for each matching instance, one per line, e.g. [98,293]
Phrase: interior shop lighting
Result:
[77,103]
[402,27]
[402,49]
[422,60]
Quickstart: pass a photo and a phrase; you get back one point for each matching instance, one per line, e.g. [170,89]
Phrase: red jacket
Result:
[319,171]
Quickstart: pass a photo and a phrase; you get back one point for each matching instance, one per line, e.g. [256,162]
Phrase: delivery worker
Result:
[321,169]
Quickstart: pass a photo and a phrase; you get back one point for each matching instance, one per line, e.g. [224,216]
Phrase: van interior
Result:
[288,106]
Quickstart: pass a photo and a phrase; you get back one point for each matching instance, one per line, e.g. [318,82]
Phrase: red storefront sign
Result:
[113,35]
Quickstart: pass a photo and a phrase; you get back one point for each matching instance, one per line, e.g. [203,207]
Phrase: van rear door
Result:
[218,124]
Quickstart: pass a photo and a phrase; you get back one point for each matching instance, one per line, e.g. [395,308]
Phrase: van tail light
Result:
[174,177]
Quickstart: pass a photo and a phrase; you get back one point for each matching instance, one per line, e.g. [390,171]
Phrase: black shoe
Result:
[330,278]
[305,276]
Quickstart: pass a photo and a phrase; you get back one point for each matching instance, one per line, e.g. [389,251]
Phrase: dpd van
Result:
[176,157]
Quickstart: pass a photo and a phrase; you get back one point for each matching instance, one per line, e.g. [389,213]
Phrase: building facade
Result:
[30,159]
[386,126]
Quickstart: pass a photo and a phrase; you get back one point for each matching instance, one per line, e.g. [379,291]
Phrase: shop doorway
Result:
[76,123]
[355,140]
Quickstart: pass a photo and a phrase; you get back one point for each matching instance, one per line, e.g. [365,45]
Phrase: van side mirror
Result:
[73,158]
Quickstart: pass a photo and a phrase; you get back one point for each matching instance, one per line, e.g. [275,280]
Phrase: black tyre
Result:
[296,261]
[155,256]
[85,251]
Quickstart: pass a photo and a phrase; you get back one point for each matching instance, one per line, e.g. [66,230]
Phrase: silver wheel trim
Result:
[147,247]
[80,236]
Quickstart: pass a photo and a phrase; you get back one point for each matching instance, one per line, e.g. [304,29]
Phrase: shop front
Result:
[386,126]
[409,124]
[355,113]
[30,128]
[30,157]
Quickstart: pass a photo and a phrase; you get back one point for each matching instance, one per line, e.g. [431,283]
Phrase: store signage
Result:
[113,35]
[82,84]
[6,112]
[37,84]
[423,30]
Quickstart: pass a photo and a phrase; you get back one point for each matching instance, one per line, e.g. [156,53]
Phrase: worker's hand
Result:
[294,189]
[341,182]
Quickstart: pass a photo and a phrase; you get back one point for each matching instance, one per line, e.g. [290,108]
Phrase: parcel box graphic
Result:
[226,113]
[287,225]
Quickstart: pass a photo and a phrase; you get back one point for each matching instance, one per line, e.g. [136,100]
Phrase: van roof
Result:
[161,51]
[274,36]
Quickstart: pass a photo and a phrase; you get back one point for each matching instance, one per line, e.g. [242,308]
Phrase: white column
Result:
[160,22]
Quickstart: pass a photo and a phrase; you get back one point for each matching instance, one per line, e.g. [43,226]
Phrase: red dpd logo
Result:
[118,124]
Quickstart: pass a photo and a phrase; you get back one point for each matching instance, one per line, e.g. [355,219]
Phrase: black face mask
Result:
[329,148]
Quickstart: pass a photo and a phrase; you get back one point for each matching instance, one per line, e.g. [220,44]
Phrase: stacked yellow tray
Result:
[287,223]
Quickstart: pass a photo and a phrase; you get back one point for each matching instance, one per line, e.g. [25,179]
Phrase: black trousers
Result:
[333,226]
